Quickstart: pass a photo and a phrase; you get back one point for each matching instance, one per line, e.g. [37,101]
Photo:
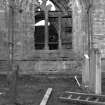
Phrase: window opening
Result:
[57,34]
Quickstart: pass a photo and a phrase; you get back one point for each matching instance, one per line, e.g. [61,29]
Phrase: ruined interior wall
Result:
[78,25]
[85,27]
[43,61]
[3,36]
[32,61]
[98,24]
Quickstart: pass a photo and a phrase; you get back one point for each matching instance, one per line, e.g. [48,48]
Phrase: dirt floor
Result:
[30,90]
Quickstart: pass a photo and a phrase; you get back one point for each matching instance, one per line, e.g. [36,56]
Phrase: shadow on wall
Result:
[103,65]
[39,36]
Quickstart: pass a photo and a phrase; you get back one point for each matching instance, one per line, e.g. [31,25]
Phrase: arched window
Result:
[53,29]
[53,8]
[41,23]
[39,36]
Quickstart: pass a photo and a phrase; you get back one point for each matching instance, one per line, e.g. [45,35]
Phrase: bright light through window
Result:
[41,23]
[49,2]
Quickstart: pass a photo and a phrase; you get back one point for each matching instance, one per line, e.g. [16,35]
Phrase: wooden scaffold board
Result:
[46,96]
[83,98]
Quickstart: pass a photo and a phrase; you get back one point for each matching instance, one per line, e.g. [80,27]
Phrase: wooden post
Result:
[46,97]
[59,22]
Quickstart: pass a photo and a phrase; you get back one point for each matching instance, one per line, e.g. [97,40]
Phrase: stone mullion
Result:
[46,30]
[33,14]
[59,22]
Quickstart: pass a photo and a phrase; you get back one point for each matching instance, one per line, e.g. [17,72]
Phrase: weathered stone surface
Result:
[66,67]
[3,38]
[98,17]
[24,45]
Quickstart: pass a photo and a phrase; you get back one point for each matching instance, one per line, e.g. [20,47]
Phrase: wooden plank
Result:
[82,101]
[78,98]
[85,94]
[87,99]
[46,96]
[70,97]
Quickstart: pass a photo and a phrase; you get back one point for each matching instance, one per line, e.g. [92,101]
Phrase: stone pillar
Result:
[95,72]
[59,22]
[46,9]
[85,71]
[76,25]
[46,29]
[98,73]
[33,15]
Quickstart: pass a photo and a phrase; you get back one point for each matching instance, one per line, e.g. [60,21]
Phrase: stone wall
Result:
[32,61]
[3,38]
[98,24]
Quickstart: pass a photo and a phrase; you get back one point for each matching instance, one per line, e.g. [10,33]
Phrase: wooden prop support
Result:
[46,96]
